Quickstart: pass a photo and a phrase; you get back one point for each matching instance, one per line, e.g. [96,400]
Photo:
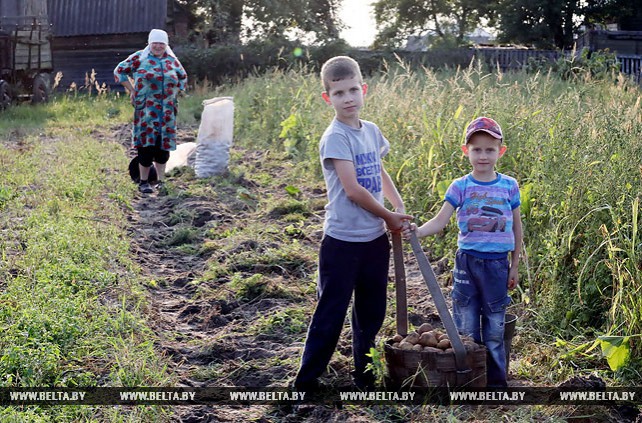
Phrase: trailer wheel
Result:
[5,95]
[41,88]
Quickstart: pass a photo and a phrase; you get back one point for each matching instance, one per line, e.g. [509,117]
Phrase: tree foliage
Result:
[553,23]
[542,23]
[273,17]
[443,19]
[612,11]
[230,21]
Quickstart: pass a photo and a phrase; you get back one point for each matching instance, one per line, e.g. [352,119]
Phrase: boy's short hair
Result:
[339,68]
[484,124]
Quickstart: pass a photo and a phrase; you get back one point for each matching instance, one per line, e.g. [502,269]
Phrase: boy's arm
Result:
[436,224]
[513,275]
[355,192]
[390,192]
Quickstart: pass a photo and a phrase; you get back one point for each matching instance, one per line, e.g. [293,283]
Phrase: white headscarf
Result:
[157,36]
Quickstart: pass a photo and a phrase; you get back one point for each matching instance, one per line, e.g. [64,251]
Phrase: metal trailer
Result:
[26,61]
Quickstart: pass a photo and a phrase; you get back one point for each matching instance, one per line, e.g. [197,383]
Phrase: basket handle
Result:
[400,285]
[440,303]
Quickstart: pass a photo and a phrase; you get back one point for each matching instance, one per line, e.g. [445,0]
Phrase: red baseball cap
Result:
[484,124]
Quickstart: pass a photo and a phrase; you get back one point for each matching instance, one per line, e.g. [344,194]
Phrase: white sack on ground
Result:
[184,155]
[215,135]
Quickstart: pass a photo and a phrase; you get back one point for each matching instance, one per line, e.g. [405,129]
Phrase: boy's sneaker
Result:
[145,188]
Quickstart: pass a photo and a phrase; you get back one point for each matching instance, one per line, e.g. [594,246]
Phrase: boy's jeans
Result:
[344,268]
[480,297]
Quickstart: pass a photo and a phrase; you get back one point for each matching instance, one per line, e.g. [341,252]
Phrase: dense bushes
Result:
[586,64]
[219,64]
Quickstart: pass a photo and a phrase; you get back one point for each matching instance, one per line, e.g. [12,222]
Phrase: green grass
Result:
[292,321]
[71,299]
[240,254]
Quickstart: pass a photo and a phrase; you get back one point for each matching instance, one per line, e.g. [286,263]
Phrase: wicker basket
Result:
[424,369]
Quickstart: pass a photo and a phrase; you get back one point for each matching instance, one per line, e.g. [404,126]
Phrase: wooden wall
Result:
[621,42]
[77,57]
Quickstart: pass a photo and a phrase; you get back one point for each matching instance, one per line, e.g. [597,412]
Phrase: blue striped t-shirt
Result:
[485,214]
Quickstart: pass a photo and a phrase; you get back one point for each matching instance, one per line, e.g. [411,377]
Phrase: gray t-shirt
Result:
[344,219]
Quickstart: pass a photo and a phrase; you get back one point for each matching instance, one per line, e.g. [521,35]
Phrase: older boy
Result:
[355,250]
[490,227]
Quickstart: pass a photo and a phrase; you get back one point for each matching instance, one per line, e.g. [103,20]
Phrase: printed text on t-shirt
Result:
[368,171]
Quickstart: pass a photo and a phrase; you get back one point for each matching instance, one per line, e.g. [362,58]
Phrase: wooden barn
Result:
[620,42]
[94,35]
[12,9]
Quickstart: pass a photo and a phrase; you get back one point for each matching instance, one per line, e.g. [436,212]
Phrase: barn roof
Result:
[96,17]
[9,8]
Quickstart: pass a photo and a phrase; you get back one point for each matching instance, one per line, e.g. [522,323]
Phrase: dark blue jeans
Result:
[344,268]
[480,297]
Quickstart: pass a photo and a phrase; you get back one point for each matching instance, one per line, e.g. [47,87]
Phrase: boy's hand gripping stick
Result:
[440,303]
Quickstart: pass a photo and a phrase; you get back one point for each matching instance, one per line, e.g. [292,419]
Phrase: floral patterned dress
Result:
[157,81]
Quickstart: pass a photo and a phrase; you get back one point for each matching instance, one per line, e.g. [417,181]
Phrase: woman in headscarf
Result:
[158,77]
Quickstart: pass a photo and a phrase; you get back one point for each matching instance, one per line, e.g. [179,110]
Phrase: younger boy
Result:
[355,250]
[490,227]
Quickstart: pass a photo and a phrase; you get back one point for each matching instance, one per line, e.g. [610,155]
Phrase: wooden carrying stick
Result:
[440,303]
[400,285]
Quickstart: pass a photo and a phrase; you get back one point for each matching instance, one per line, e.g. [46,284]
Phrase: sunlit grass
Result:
[71,298]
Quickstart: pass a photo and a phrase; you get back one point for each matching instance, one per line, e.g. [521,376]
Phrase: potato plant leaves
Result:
[616,349]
